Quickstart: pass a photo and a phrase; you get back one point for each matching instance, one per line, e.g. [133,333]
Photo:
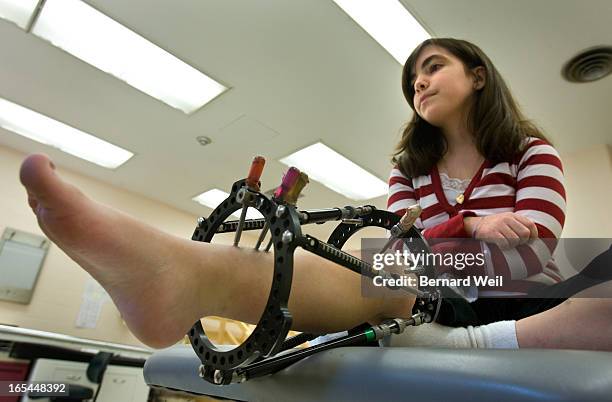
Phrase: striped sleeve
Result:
[540,196]
[401,195]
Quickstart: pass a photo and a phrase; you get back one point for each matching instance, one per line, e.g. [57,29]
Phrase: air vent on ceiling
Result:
[589,65]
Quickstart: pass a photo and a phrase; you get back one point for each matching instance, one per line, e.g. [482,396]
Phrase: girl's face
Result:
[442,89]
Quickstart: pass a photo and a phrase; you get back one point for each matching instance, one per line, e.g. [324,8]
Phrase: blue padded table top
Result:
[406,374]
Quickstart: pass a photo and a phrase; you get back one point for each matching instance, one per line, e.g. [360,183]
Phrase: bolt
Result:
[201,370]
[280,211]
[218,377]
[287,237]
[240,195]
[201,221]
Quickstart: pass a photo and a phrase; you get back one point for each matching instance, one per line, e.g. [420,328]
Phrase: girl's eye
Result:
[432,68]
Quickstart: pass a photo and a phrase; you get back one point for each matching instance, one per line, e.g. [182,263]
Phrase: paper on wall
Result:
[94,297]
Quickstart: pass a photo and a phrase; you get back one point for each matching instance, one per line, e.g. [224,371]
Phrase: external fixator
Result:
[267,349]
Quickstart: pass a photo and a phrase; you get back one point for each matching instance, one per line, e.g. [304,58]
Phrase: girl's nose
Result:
[420,85]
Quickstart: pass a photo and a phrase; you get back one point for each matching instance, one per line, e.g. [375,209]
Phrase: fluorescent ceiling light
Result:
[336,172]
[43,129]
[18,11]
[102,42]
[212,199]
[389,23]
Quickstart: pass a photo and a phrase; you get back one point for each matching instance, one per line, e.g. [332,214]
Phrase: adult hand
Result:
[507,229]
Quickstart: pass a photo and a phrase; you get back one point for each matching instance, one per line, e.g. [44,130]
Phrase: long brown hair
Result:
[495,120]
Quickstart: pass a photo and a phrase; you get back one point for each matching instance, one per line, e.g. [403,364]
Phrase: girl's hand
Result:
[507,229]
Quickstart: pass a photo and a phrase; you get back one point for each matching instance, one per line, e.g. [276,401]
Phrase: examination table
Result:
[405,374]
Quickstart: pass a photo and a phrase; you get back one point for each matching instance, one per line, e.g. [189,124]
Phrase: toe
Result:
[43,186]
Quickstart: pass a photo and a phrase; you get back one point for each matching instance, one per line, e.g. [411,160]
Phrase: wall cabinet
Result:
[124,384]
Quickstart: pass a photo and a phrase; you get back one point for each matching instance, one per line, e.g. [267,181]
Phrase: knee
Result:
[606,306]
[399,307]
[600,307]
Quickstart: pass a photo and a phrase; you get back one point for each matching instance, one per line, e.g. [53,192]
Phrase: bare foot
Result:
[129,259]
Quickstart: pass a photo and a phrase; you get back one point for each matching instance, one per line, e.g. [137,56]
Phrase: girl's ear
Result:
[479,74]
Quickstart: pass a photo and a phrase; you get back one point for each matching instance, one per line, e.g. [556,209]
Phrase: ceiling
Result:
[299,71]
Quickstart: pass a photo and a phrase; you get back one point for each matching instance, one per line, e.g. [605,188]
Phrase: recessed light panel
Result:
[336,172]
[389,23]
[45,130]
[212,199]
[18,11]
[84,32]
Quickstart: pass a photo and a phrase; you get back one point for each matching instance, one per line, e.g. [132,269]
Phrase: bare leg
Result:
[578,323]
[162,284]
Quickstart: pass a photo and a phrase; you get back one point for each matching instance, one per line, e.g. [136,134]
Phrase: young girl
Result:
[479,169]
[466,129]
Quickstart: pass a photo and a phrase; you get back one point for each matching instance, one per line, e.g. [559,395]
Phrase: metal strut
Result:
[371,334]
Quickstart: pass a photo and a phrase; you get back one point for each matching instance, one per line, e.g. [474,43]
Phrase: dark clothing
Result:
[457,312]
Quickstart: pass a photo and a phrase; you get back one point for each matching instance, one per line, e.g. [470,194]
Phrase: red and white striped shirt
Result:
[531,185]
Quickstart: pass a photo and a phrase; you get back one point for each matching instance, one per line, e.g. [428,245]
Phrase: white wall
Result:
[588,177]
